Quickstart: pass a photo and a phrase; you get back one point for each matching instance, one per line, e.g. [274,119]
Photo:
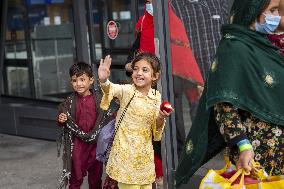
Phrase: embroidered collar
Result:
[151,93]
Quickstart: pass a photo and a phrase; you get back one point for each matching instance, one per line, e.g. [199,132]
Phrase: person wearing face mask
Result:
[241,106]
[271,22]
[145,26]
[144,35]
[277,39]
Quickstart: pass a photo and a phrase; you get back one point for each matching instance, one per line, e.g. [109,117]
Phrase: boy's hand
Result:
[103,70]
[62,118]
[245,160]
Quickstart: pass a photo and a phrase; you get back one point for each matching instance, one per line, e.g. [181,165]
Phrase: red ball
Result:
[166,106]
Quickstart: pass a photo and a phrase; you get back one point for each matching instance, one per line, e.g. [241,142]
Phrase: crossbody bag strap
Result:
[118,124]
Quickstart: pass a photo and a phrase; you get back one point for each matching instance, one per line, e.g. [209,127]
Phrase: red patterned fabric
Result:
[278,41]
[158,166]
[84,160]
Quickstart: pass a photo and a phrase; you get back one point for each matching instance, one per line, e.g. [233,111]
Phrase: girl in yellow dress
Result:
[131,159]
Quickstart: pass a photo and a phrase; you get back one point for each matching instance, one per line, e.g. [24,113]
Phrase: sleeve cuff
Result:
[234,141]
[106,83]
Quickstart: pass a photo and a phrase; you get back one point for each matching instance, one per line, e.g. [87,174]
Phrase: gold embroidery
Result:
[189,147]
[229,36]
[180,43]
[214,66]
[269,80]
[232,18]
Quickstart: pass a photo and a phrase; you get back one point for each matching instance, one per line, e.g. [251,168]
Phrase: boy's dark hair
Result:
[149,57]
[81,68]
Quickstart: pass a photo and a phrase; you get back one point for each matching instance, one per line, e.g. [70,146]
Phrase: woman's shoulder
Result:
[234,43]
[234,47]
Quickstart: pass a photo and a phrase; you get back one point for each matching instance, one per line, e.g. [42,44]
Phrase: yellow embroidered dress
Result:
[131,160]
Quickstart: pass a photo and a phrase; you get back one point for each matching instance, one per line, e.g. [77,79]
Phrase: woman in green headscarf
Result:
[241,105]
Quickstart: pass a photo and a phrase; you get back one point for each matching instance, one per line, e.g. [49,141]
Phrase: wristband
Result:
[245,147]
[242,142]
[107,82]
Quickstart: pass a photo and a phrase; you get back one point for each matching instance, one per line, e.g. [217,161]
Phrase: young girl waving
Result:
[131,159]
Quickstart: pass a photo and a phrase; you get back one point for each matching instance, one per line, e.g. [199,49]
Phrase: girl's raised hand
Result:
[104,69]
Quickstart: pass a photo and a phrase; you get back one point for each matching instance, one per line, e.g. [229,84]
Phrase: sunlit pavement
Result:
[27,163]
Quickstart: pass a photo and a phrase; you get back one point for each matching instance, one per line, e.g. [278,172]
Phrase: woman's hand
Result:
[104,69]
[245,160]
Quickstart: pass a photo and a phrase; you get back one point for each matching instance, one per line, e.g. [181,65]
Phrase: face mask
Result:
[149,8]
[270,25]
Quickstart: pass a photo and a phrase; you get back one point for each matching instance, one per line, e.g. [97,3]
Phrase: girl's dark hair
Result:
[152,59]
[81,68]
[149,57]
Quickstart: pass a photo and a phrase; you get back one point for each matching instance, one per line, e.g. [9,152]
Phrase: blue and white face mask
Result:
[270,25]
[149,8]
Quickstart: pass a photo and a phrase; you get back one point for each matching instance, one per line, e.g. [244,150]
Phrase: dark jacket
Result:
[69,105]
[70,129]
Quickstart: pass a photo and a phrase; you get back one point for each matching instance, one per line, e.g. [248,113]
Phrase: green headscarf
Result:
[245,12]
[247,72]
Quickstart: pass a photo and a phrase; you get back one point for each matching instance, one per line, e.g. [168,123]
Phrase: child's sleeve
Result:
[110,90]
[157,131]
[61,109]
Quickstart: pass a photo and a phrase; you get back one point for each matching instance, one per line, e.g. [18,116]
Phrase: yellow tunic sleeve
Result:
[157,132]
[110,90]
